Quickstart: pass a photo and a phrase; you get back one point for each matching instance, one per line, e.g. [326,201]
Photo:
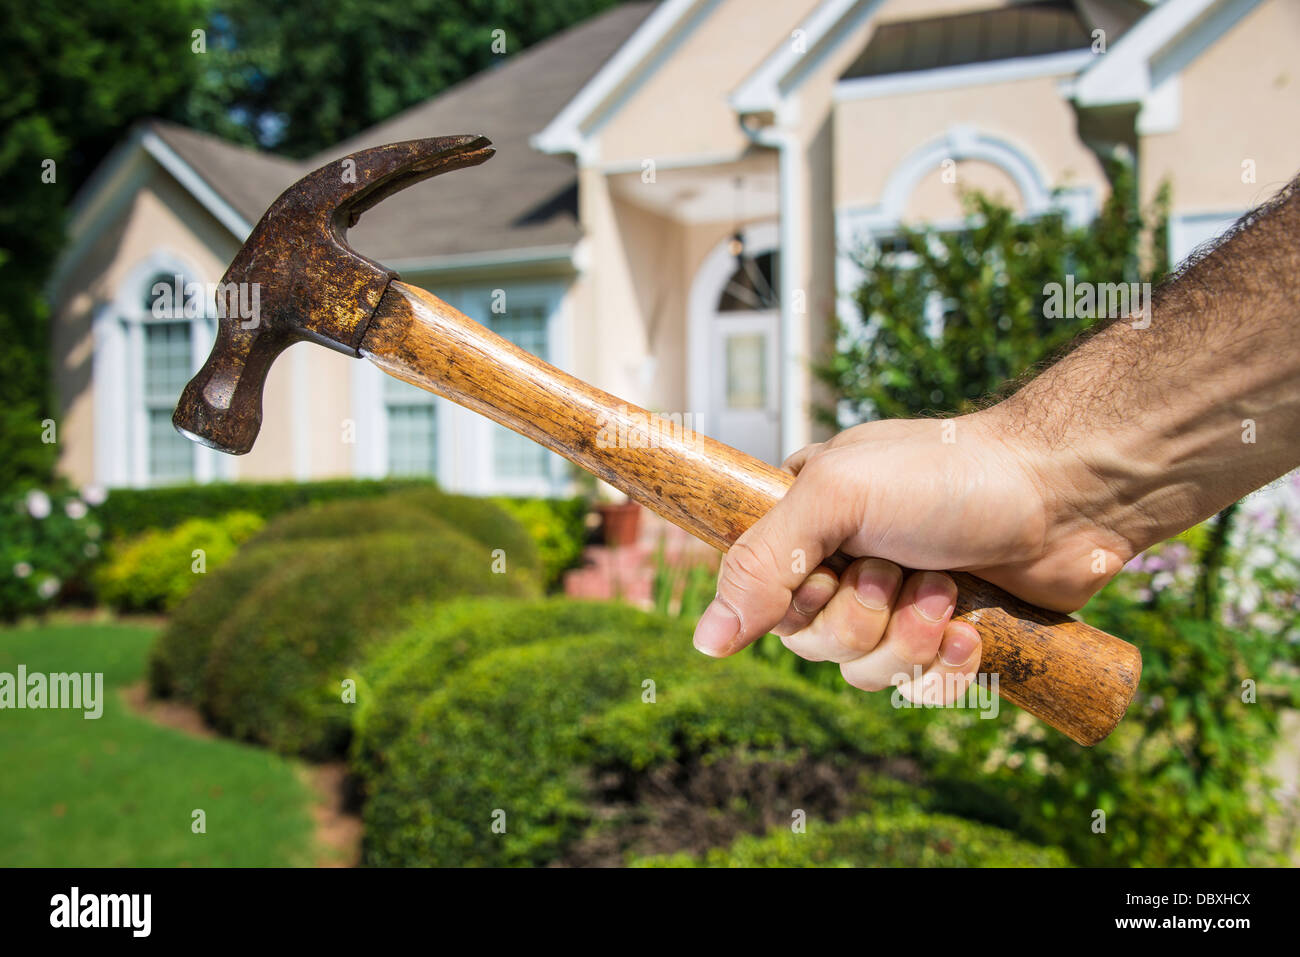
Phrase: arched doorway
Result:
[735,321]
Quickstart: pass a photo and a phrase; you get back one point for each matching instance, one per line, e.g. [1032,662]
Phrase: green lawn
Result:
[121,790]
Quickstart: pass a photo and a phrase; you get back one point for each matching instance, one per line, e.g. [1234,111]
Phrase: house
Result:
[669,215]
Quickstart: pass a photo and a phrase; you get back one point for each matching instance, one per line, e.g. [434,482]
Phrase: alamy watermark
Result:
[947,691]
[1098,300]
[77,691]
[645,430]
[132,912]
[179,299]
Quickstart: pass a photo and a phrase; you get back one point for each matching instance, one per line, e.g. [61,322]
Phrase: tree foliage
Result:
[75,76]
[298,78]
[948,317]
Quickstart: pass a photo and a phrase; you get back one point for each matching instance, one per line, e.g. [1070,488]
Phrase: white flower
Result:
[94,494]
[48,588]
[38,504]
[22,570]
[76,509]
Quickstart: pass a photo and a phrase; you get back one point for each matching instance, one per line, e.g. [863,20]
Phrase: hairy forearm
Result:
[1144,429]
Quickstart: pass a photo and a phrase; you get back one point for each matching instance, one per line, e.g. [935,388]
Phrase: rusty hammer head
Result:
[306,282]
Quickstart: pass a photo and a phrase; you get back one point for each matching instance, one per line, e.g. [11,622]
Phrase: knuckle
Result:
[919,647]
[747,566]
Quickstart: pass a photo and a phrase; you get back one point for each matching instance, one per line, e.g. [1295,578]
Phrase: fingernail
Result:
[935,595]
[812,595]
[877,582]
[717,630]
[958,646]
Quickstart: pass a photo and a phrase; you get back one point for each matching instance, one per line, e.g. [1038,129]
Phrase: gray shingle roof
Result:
[245,178]
[519,199]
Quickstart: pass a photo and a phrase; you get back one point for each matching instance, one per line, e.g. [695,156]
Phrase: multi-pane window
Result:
[168,365]
[412,429]
[513,456]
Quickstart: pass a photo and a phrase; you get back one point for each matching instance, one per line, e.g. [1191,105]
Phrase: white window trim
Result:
[1190,231]
[121,455]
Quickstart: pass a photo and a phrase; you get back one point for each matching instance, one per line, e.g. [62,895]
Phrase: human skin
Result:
[1148,426]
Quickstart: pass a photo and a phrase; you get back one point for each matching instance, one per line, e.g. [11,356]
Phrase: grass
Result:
[120,790]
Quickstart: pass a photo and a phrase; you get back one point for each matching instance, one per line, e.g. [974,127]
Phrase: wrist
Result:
[1088,493]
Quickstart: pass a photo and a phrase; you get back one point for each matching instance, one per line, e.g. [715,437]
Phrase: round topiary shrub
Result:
[557,739]
[415,510]
[283,660]
[440,642]
[901,837]
[178,658]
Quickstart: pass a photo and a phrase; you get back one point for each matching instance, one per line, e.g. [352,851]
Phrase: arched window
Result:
[752,286]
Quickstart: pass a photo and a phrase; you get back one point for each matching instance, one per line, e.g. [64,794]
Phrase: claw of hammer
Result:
[310,284]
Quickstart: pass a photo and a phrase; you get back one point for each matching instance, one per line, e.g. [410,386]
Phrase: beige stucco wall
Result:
[1240,101]
[161,216]
[874,136]
[681,109]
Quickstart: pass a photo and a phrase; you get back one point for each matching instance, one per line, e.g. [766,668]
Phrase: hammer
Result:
[313,286]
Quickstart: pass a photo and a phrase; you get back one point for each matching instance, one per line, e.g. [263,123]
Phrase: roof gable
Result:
[1134,67]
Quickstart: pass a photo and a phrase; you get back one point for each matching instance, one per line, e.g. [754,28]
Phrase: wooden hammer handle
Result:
[1072,676]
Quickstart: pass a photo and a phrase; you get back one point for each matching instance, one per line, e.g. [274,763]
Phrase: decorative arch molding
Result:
[706,289]
[960,142]
[161,261]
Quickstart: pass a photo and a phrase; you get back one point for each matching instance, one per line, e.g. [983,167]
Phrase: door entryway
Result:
[743,390]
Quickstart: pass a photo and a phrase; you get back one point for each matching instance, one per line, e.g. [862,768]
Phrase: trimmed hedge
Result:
[901,837]
[156,570]
[278,662]
[417,510]
[129,511]
[178,657]
[440,642]
[263,644]
[523,727]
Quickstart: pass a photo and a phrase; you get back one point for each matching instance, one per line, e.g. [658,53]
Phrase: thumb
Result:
[763,568]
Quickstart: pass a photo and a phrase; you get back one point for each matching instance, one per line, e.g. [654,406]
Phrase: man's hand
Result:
[921,494]
[1143,430]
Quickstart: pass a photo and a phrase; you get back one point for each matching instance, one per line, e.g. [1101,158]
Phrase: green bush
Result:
[440,641]
[425,510]
[525,726]
[898,838]
[177,661]
[279,658]
[156,569]
[132,511]
[178,657]
[48,542]
[557,527]
[721,713]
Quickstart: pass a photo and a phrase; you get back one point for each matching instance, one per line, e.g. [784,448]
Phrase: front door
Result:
[744,377]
